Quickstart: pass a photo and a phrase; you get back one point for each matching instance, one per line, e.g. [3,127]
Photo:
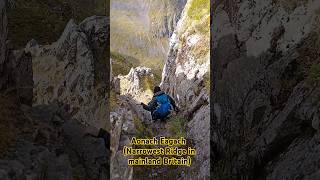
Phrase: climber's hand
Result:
[177,110]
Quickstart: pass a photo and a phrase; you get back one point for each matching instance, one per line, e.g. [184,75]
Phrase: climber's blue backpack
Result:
[164,106]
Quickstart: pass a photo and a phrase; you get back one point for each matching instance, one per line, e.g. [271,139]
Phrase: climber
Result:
[161,105]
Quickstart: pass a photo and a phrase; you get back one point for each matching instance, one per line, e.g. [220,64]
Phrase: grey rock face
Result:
[3,45]
[135,78]
[122,131]
[24,77]
[266,112]
[3,31]
[16,75]
[54,150]
[137,84]
[123,126]
[78,62]
[15,66]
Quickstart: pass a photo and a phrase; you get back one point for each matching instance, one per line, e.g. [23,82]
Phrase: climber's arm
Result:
[151,105]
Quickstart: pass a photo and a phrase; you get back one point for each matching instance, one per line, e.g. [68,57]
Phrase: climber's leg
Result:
[155,117]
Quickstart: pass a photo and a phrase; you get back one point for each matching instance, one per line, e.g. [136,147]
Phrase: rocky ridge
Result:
[185,78]
[127,117]
[78,62]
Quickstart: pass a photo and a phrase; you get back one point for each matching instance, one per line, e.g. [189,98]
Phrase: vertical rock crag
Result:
[73,70]
[186,78]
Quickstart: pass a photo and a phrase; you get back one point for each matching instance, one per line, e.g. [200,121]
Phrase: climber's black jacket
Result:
[152,105]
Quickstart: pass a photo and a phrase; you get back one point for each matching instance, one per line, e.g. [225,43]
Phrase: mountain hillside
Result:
[185,77]
[141,30]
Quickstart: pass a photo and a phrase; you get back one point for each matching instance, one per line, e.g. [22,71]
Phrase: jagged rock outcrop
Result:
[126,115]
[266,96]
[136,76]
[184,78]
[138,84]
[123,129]
[74,70]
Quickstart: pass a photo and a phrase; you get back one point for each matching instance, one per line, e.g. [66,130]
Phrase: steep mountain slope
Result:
[266,96]
[141,29]
[186,78]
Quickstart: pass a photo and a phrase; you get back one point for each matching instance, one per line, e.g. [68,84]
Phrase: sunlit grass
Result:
[196,21]
[121,64]
[198,9]
[141,130]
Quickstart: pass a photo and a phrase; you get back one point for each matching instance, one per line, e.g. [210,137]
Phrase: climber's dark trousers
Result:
[106,137]
[156,117]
